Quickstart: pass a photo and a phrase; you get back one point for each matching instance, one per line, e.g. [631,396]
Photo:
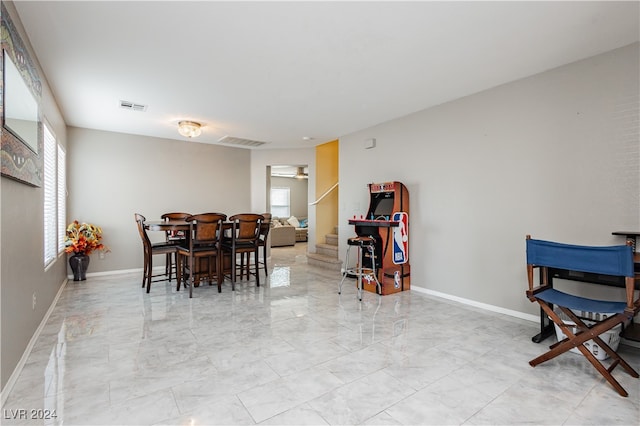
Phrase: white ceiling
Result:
[279,71]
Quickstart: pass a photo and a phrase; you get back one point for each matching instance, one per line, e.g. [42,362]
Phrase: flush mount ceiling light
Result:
[189,129]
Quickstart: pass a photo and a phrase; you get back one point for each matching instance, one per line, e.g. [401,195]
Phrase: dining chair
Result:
[177,237]
[203,244]
[243,238]
[149,250]
[265,226]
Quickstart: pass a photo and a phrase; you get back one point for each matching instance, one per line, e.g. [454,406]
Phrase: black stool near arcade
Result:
[365,267]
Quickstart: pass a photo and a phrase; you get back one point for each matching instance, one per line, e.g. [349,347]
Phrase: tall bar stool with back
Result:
[202,252]
[243,239]
[263,239]
[149,250]
[174,237]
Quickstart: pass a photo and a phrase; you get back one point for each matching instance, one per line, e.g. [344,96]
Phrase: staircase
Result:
[326,255]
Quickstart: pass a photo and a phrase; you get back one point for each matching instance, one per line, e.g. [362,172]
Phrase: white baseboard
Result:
[115,272]
[492,308]
[631,343]
[480,305]
[25,355]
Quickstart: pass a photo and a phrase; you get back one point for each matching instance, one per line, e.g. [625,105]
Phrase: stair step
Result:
[327,250]
[324,261]
[331,239]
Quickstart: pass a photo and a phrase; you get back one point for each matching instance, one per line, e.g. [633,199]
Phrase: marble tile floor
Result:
[294,352]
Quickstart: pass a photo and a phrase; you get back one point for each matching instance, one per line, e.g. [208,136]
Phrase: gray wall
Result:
[555,155]
[22,271]
[262,158]
[114,175]
[298,194]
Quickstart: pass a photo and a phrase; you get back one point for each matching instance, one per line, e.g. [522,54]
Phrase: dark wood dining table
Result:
[167,225]
[175,225]
[181,225]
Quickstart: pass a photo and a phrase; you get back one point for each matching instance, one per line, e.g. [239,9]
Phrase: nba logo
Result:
[401,238]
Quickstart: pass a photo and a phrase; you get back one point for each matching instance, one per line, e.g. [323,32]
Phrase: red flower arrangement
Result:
[83,238]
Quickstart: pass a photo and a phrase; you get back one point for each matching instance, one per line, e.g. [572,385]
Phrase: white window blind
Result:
[50,208]
[280,202]
[62,197]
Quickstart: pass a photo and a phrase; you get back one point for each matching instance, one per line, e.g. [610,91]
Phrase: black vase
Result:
[79,263]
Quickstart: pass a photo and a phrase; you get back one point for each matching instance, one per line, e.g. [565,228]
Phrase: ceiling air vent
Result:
[231,140]
[132,106]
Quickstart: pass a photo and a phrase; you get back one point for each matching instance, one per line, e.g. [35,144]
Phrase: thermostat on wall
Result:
[369,143]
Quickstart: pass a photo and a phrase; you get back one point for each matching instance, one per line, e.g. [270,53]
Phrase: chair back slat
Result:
[265,226]
[146,242]
[206,231]
[243,240]
[607,260]
[247,226]
[174,234]
[206,227]
[175,216]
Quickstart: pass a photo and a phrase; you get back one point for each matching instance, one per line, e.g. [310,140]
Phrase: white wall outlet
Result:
[101,255]
[33,302]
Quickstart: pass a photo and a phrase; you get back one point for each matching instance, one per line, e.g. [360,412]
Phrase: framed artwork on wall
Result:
[21,90]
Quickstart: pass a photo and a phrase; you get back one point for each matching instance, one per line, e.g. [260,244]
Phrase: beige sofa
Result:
[301,234]
[284,234]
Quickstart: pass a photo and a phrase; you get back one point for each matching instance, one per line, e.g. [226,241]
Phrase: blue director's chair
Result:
[609,260]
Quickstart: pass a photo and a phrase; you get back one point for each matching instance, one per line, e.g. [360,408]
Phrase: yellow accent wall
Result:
[326,176]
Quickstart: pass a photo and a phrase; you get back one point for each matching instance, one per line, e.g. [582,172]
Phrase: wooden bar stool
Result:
[360,270]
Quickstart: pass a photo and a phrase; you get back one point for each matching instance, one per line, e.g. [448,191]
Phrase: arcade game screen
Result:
[382,206]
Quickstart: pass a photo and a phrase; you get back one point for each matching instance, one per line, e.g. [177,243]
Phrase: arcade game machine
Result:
[387,221]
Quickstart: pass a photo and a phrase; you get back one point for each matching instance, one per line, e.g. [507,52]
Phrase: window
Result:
[62,198]
[54,197]
[280,205]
